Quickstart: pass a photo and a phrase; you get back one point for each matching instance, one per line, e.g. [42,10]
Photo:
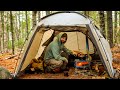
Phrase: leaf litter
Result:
[9,61]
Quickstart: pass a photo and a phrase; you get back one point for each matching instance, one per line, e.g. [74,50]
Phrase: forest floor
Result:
[9,61]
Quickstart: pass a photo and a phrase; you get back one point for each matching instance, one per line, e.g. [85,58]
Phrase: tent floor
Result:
[73,74]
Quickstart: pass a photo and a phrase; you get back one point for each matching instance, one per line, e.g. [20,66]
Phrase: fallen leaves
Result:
[9,61]
[116,54]
[116,59]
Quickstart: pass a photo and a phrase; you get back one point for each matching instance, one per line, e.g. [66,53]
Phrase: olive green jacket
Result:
[54,48]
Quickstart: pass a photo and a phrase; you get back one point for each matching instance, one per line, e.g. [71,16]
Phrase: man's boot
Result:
[66,71]
[56,70]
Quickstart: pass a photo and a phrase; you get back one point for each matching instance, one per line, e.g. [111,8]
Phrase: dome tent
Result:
[75,25]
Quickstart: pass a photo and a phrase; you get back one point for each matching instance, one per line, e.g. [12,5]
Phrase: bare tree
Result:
[86,13]
[47,12]
[19,30]
[34,18]
[115,27]
[26,23]
[102,22]
[110,27]
[0,36]
[7,29]
[39,16]
[11,25]
[2,22]
[119,29]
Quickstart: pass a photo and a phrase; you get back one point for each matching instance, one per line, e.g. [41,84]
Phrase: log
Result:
[10,57]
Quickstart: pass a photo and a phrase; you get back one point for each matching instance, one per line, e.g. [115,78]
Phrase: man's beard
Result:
[63,42]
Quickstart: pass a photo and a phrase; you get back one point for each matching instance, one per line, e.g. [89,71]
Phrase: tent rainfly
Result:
[75,25]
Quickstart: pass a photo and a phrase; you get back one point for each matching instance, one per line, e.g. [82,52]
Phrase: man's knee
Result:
[65,61]
[55,63]
[60,63]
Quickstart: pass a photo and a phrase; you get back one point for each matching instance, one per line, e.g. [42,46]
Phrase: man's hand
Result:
[75,53]
[65,60]
[78,54]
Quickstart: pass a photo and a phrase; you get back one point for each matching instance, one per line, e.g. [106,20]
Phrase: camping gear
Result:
[75,25]
[35,66]
[81,63]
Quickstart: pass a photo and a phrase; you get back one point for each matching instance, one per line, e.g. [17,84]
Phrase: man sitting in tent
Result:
[56,54]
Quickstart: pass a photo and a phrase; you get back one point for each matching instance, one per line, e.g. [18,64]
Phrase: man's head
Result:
[63,38]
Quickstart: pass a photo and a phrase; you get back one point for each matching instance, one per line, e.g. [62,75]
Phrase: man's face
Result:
[63,39]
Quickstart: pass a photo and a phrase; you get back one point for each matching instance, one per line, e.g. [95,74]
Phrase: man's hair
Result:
[64,35]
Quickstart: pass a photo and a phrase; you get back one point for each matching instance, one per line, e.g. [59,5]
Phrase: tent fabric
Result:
[77,42]
[45,37]
[69,23]
[101,48]
[30,51]
[73,42]
[65,19]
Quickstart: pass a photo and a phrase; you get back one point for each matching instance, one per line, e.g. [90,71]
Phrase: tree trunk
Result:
[26,23]
[34,19]
[110,27]
[115,28]
[19,30]
[0,44]
[7,29]
[0,35]
[29,20]
[2,21]
[16,33]
[47,13]
[86,13]
[102,22]
[11,24]
[118,34]
[0,41]
[23,36]
[51,12]
[39,16]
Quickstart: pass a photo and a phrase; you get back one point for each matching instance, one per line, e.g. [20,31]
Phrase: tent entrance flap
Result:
[44,42]
[30,51]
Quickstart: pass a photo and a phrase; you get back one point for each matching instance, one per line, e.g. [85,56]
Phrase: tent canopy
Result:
[65,19]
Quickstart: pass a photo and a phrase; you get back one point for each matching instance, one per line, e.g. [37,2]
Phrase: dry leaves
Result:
[116,57]
[9,61]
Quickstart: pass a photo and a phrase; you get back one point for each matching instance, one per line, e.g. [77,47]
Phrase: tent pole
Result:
[78,42]
[87,50]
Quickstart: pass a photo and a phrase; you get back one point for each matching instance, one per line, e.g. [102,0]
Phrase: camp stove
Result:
[81,64]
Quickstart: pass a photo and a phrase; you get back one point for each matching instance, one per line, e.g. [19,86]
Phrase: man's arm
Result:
[56,53]
[67,50]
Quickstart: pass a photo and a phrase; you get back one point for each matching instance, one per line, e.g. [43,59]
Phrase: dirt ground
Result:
[9,61]
[82,74]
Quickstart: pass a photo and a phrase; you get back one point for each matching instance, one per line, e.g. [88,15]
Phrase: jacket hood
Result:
[58,37]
